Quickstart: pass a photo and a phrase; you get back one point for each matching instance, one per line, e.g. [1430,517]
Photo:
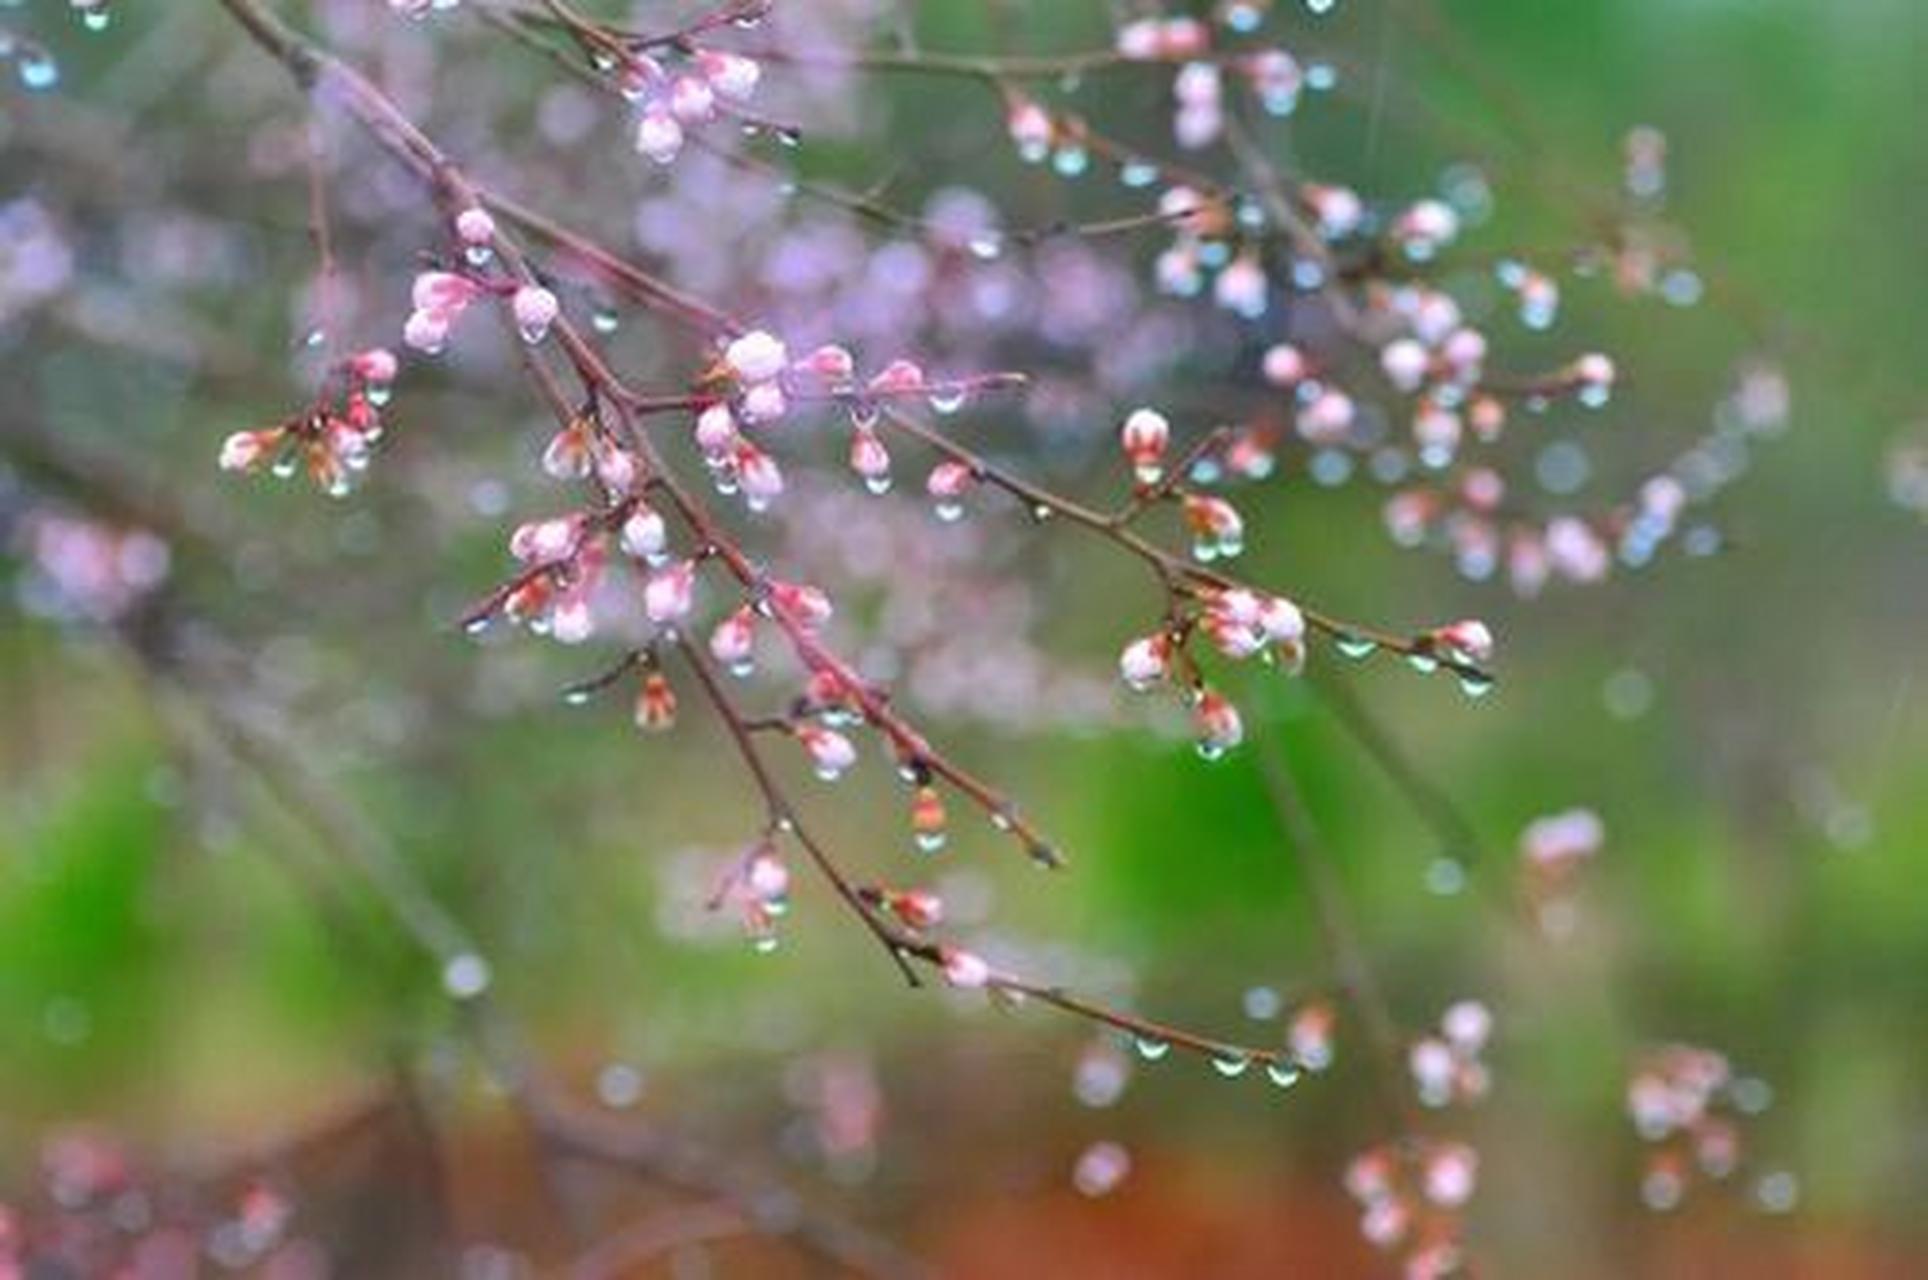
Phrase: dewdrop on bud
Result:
[1144,437]
[716,431]
[927,820]
[756,356]
[617,468]
[831,754]
[1425,228]
[571,621]
[669,593]
[658,135]
[733,642]
[965,969]
[760,476]
[1217,529]
[1031,129]
[1338,209]
[535,310]
[567,455]
[644,535]
[475,228]
[656,704]
[1593,377]
[1309,1036]
[1468,640]
[1217,723]
[767,879]
[1145,661]
[870,460]
[947,484]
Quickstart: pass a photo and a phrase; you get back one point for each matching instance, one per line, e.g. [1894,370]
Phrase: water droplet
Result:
[1424,663]
[465,976]
[1445,876]
[477,625]
[947,398]
[577,697]
[930,841]
[764,943]
[949,512]
[1283,1073]
[878,485]
[38,71]
[1150,1048]
[604,320]
[1355,647]
[1137,173]
[987,245]
[1230,1065]
[1475,684]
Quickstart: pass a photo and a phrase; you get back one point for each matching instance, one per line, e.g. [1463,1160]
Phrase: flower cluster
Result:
[1412,1197]
[1447,1066]
[334,438]
[1687,1103]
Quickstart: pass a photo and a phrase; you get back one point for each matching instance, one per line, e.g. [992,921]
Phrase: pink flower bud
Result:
[831,754]
[716,430]
[919,909]
[670,592]
[572,622]
[691,99]
[474,226]
[246,450]
[757,356]
[656,704]
[1217,723]
[1284,365]
[965,969]
[761,477]
[1468,640]
[897,377]
[426,331]
[801,603]
[535,310]
[1146,661]
[659,136]
[764,402]
[443,292]
[732,76]
[1144,437]
[870,460]
[734,640]
[644,535]
[377,365]
[831,363]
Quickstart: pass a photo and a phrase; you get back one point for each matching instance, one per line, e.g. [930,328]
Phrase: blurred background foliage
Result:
[1746,722]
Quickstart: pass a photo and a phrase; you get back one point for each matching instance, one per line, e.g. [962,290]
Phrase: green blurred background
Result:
[1746,723]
